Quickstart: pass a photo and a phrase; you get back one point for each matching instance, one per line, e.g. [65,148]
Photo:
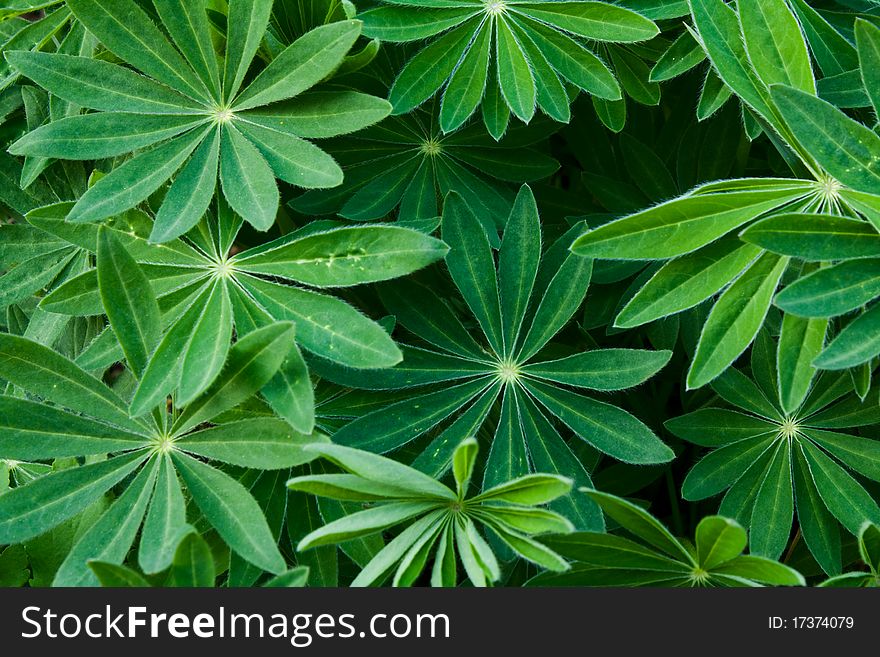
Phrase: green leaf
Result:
[716,427]
[248,182]
[163,370]
[518,264]
[208,344]
[47,374]
[301,65]
[859,453]
[719,29]
[869,545]
[686,281]
[529,549]
[426,72]
[128,301]
[818,527]
[364,523]
[132,182]
[607,428]
[856,344]
[599,21]
[507,458]
[514,75]
[165,522]
[467,83]
[415,22]
[102,134]
[28,511]
[251,363]
[573,61]
[832,291]
[128,32]
[846,149]
[33,431]
[327,326]
[116,576]
[558,302]
[472,266]
[233,512]
[110,538]
[99,85]
[292,159]
[800,342]
[815,237]
[684,224]
[761,570]
[188,25]
[193,564]
[775,45]
[319,114]
[529,490]
[736,319]
[683,55]
[774,507]
[868,42]
[844,496]
[463,459]
[346,256]
[263,443]
[719,540]
[293,578]
[246,27]
[723,467]
[833,52]
[602,369]
[640,523]
[190,194]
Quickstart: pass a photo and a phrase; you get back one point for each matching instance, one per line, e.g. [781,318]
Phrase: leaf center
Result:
[508,371]
[223,115]
[431,147]
[495,7]
[789,428]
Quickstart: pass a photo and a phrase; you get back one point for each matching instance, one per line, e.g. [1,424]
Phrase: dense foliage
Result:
[439,292]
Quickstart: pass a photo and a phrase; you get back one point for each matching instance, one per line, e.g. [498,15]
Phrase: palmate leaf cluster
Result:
[439,293]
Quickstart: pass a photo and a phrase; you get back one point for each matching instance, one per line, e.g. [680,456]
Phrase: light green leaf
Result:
[131,183]
[800,342]
[686,281]
[248,182]
[736,319]
[127,31]
[165,522]
[304,63]
[28,511]
[776,47]
[684,224]
[327,326]
[193,564]
[110,538]
[128,301]
[43,372]
[718,541]
[246,26]
[846,149]
[233,512]
[346,256]
[252,362]
[99,85]
[263,443]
